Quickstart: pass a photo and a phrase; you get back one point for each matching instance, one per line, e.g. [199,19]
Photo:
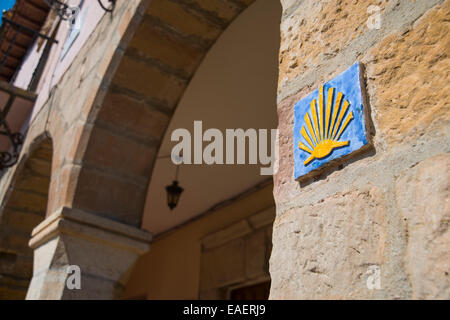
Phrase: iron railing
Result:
[65,12]
[20,29]
[9,157]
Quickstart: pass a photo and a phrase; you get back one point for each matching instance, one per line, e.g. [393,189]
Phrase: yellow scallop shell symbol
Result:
[326,127]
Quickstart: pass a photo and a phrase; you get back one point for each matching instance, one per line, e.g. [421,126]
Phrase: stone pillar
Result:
[375,227]
[104,250]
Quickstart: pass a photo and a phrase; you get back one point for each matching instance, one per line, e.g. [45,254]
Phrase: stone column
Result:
[104,250]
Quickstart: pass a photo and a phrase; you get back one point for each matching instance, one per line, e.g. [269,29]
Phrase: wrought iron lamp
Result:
[174,192]
[62,10]
[65,12]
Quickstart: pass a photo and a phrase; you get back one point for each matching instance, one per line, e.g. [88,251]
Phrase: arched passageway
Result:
[23,210]
[105,164]
[163,55]
[220,232]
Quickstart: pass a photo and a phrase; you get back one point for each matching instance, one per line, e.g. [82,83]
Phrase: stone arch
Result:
[143,88]
[23,208]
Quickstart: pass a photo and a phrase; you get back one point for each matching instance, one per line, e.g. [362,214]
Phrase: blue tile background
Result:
[349,84]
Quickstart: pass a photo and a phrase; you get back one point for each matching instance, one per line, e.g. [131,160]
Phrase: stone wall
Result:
[236,256]
[388,208]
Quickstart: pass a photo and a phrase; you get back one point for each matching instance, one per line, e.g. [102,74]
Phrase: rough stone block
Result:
[315,31]
[117,153]
[110,196]
[223,10]
[422,195]
[28,201]
[149,80]
[178,18]
[134,117]
[408,79]
[160,47]
[323,250]
[21,220]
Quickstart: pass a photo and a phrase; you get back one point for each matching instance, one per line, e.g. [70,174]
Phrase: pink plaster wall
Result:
[57,65]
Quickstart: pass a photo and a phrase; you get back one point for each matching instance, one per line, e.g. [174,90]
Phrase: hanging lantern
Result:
[173,194]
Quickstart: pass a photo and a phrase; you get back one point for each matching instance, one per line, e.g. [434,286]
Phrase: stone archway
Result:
[162,56]
[111,136]
[113,104]
[23,210]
